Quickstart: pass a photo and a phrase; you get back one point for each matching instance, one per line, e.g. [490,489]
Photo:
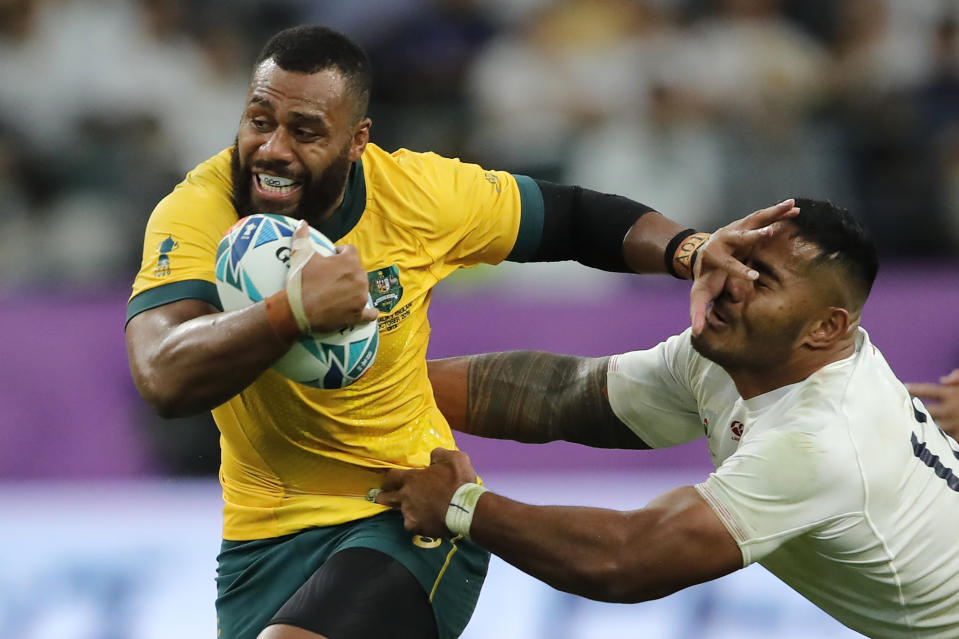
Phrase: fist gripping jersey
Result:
[294,456]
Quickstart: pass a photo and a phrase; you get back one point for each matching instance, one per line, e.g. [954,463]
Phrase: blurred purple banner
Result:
[69,410]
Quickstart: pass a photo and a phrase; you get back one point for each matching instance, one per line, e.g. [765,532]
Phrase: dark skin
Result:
[297,134]
[187,357]
[800,312]
[674,542]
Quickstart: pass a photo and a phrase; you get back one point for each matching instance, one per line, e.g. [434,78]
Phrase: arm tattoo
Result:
[536,397]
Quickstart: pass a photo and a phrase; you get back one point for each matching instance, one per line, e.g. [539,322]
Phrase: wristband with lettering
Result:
[681,253]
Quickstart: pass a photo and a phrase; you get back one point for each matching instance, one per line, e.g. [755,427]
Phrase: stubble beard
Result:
[317,198]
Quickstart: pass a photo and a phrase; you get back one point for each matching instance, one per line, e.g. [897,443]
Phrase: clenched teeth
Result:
[275,183]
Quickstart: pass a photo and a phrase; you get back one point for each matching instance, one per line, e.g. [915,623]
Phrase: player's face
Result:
[297,139]
[759,325]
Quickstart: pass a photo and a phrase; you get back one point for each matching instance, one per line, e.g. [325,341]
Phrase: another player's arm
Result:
[530,396]
[186,357]
[676,541]
[615,233]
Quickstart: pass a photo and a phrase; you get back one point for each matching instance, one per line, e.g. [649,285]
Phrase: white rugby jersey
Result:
[841,485]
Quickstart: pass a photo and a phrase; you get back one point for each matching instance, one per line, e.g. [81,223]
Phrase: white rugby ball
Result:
[252,262]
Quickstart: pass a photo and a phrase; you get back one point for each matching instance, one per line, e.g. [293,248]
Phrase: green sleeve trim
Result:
[531,221]
[173,292]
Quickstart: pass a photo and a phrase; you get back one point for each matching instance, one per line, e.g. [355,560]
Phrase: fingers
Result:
[394,480]
[926,391]
[768,215]
[951,378]
[704,290]
[302,251]
[439,455]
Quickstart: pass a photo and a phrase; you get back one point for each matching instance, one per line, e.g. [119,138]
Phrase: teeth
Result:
[275,183]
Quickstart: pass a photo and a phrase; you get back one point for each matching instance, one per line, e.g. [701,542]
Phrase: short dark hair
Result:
[311,49]
[843,238]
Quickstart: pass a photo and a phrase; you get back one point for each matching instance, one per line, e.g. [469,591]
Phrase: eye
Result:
[305,135]
[260,124]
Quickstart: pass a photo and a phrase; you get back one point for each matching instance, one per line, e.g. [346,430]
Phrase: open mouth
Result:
[275,186]
[715,317]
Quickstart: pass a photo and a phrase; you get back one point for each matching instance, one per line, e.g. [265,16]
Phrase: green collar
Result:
[346,216]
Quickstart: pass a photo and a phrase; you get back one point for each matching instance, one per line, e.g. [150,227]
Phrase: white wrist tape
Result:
[459,515]
[302,252]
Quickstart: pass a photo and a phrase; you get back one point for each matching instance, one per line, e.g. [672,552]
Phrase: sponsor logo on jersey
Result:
[426,542]
[736,427]
[166,247]
[385,288]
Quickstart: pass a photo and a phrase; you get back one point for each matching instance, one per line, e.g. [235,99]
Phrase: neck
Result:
[754,381]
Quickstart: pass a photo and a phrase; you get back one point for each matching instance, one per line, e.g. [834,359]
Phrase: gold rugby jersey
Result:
[293,456]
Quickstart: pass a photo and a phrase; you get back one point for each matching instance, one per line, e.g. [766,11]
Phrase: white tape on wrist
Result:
[294,294]
[302,252]
[459,515]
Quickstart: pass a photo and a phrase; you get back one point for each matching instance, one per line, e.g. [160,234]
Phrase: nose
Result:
[736,288]
[278,146]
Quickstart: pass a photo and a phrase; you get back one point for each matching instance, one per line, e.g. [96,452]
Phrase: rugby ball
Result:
[252,262]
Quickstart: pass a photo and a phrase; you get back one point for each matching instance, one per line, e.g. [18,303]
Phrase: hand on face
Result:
[717,259]
[333,289]
[423,495]
[943,401]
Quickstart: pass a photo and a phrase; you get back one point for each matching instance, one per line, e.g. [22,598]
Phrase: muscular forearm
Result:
[198,364]
[530,396]
[606,554]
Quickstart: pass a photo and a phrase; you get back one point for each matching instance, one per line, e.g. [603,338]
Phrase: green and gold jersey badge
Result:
[385,288]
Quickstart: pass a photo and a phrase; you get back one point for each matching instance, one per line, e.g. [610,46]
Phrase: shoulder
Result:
[430,192]
[204,197]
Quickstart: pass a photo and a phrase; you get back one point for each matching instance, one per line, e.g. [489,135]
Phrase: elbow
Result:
[167,398]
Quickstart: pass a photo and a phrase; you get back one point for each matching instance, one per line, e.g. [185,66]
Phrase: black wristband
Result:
[671,251]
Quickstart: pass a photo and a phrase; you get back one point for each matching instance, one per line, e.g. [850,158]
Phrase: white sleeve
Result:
[651,393]
[778,485]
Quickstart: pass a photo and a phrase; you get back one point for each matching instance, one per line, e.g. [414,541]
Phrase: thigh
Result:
[357,593]
[256,578]
[450,571]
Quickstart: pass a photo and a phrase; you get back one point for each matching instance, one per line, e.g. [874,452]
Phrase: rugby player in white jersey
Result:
[828,472]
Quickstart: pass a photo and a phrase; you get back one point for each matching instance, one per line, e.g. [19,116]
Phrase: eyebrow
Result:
[765,269]
[298,116]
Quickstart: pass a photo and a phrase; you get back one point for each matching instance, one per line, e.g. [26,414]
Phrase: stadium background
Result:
[705,109]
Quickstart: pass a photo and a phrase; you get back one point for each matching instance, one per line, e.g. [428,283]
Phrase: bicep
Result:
[147,330]
[530,396]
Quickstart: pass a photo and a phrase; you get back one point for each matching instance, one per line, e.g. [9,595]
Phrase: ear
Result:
[831,327]
[361,136]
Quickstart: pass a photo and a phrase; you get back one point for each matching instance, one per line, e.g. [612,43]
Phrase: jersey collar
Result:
[346,216]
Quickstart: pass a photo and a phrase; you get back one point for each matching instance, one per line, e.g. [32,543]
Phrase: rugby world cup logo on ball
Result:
[252,262]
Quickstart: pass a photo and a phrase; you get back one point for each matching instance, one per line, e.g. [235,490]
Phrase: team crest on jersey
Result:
[385,288]
[166,247]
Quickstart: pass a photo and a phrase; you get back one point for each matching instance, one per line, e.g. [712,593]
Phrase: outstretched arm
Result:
[674,542]
[615,233]
[530,396]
